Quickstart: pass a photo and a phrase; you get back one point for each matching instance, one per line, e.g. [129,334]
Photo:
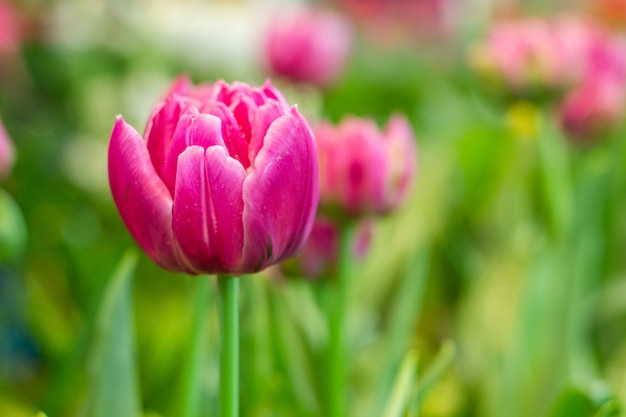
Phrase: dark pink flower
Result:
[311,46]
[363,170]
[224,180]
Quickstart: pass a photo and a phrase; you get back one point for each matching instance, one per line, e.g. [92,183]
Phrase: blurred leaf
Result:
[556,179]
[187,403]
[433,373]
[12,229]
[573,403]
[292,355]
[404,315]
[115,385]
[610,408]
[404,384]
[576,402]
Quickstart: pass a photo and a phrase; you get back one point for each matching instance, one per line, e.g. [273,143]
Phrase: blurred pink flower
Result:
[10,29]
[6,153]
[363,170]
[532,53]
[600,98]
[225,179]
[582,61]
[310,46]
[320,254]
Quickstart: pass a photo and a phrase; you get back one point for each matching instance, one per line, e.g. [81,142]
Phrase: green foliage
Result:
[498,289]
[115,389]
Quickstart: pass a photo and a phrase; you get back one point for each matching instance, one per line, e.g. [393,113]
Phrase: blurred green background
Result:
[503,274]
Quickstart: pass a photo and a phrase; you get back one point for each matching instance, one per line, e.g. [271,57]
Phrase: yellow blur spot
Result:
[524,120]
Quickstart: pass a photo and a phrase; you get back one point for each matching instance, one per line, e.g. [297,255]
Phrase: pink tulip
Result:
[599,100]
[364,170]
[225,179]
[6,153]
[310,46]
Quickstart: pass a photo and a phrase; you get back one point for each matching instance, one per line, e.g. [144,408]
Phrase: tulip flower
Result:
[310,46]
[224,180]
[6,153]
[364,170]
[599,100]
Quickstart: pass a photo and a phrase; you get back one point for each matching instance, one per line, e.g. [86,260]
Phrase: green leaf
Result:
[610,408]
[557,187]
[114,375]
[189,394]
[402,388]
[578,402]
[572,403]
[12,229]
[434,372]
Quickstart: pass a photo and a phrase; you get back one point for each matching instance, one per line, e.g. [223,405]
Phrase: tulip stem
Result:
[229,352]
[338,381]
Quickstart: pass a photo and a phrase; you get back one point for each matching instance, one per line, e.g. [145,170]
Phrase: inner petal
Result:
[203,130]
[235,137]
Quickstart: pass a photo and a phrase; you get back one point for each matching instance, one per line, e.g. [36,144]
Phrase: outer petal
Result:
[261,121]
[281,194]
[208,209]
[142,199]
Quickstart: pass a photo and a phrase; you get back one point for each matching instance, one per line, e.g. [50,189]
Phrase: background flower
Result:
[365,170]
[309,46]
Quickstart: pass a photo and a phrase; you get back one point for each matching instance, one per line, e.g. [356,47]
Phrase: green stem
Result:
[229,351]
[337,384]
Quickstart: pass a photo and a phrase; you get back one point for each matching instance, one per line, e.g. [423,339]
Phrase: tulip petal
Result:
[208,209]
[204,130]
[144,203]
[281,193]
[162,124]
[233,136]
[261,121]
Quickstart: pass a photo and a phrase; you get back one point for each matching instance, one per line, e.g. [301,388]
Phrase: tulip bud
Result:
[224,180]
[363,170]
[310,46]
